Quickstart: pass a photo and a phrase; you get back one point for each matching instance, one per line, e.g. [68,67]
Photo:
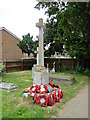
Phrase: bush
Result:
[87,72]
[66,68]
[80,69]
[58,69]
[2,69]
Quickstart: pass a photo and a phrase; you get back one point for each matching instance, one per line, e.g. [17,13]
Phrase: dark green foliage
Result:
[71,27]
[80,69]
[83,70]
[50,35]
[76,29]
[87,72]
[27,45]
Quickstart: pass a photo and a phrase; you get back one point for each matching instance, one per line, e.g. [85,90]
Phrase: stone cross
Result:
[41,48]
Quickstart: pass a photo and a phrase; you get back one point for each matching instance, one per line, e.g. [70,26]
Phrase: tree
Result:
[50,39]
[75,25]
[50,33]
[27,45]
[72,24]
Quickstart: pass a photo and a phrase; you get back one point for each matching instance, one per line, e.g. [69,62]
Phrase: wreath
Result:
[41,96]
[42,100]
[57,95]
[42,89]
[51,99]
[51,84]
[34,95]
[59,88]
[26,90]
[33,88]
[37,99]
[61,93]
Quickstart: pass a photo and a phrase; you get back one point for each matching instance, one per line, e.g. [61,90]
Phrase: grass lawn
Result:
[13,107]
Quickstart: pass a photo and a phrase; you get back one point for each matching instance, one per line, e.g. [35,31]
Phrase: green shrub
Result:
[80,69]
[87,72]
[2,68]
[66,68]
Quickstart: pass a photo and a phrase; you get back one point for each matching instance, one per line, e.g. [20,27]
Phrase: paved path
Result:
[77,107]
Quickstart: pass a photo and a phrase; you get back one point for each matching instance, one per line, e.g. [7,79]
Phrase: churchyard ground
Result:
[13,107]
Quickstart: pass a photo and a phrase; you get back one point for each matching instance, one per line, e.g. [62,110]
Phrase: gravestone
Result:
[53,70]
[8,87]
[59,79]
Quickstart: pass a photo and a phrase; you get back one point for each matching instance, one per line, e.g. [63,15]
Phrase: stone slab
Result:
[68,80]
[8,87]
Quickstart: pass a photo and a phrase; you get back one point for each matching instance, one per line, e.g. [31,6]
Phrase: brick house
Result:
[8,45]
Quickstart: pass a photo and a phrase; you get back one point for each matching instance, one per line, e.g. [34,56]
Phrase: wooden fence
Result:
[27,64]
[22,64]
[61,62]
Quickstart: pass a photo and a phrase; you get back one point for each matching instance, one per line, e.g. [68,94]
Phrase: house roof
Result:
[3,28]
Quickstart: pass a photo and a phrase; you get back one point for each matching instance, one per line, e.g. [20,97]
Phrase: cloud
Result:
[20,16]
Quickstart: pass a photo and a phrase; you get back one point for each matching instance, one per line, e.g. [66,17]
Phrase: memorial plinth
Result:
[40,76]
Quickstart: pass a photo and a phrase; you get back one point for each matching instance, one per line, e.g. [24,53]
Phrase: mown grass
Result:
[13,107]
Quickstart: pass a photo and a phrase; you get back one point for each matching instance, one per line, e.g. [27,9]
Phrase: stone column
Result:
[41,48]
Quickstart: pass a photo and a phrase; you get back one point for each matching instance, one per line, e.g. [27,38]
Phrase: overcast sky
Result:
[20,16]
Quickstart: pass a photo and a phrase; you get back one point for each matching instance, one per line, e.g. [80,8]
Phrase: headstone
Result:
[55,54]
[53,70]
[54,66]
[8,87]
